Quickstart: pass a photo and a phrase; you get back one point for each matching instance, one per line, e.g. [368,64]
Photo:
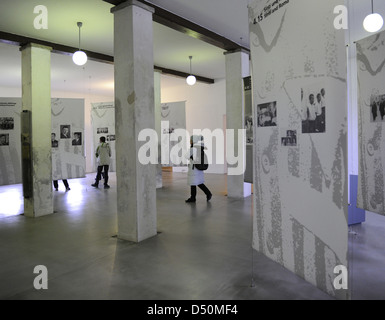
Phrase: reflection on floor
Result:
[202,251]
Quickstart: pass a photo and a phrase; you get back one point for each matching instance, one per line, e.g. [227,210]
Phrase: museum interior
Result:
[106,107]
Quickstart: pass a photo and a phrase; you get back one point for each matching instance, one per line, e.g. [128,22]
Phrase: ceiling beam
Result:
[183,74]
[18,40]
[187,27]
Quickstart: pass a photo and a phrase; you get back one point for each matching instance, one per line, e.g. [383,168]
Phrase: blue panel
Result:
[355,215]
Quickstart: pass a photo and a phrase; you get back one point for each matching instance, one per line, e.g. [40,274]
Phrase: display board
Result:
[103,124]
[371,123]
[67,137]
[172,117]
[10,141]
[299,91]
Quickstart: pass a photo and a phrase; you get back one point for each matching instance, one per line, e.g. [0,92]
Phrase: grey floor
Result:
[201,252]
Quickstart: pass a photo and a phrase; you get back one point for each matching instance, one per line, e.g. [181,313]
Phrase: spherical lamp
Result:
[373,22]
[79,58]
[191,78]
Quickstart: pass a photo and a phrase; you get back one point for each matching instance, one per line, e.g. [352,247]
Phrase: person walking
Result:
[196,177]
[103,152]
[65,182]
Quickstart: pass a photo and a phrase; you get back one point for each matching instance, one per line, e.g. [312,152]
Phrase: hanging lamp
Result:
[191,78]
[373,22]
[79,57]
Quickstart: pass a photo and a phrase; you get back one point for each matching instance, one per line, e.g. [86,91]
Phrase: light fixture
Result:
[79,57]
[191,78]
[373,22]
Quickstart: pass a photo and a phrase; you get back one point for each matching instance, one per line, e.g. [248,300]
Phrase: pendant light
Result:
[191,78]
[373,22]
[79,57]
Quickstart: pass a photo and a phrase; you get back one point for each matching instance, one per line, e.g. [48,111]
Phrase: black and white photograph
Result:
[313,109]
[249,128]
[65,131]
[6,123]
[77,140]
[267,114]
[102,130]
[4,139]
[248,109]
[290,140]
[377,108]
[54,142]
[110,137]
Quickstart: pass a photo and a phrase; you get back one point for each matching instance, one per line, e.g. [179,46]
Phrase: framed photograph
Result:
[65,131]
[313,99]
[290,140]
[267,114]
[377,108]
[54,142]
[6,123]
[110,137]
[77,140]
[102,130]
[4,139]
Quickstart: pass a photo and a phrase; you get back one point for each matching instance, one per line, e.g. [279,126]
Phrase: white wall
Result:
[205,106]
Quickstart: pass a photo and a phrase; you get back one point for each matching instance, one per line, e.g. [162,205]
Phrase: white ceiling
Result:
[228,18]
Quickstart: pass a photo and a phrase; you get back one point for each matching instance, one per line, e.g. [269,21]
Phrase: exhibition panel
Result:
[103,124]
[371,120]
[67,139]
[300,139]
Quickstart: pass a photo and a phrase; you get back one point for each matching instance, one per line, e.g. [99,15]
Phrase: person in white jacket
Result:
[196,177]
[103,152]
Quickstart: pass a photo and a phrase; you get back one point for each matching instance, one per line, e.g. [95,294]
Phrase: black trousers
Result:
[56,185]
[202,187]
[103,168]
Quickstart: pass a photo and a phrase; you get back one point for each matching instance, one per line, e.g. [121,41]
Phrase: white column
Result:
[237,67]
[134,111]
[36,98]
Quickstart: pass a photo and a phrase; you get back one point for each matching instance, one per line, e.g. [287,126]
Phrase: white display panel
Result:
[103,124]
[67,119]
[371,123]
[300,147]
[68,161]
[172,117]
[10,141]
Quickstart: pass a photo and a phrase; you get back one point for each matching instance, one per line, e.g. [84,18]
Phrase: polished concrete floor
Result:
[202,251]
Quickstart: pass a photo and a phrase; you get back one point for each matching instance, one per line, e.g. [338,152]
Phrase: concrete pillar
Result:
[134,111]
[157,98]
[237,67]
[36,99]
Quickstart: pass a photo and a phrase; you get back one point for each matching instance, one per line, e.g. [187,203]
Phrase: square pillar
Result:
[237,67]
[36,101]
[134,111]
